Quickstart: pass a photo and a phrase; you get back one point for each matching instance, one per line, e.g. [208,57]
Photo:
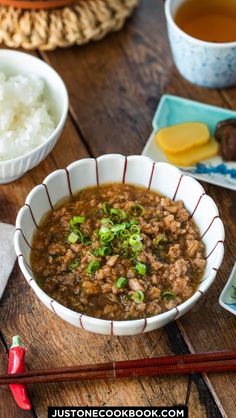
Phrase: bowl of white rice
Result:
[33,111]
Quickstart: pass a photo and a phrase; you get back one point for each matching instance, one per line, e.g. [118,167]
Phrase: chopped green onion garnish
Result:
[79,233]
[160,238]
[74,264]
[118,227]
[135,229]
[121,282]
[169,295]
[138,247]
[134,239]
[118,212]
[114,211]
[133,222]
[103,251]
[87,241]
[72,237]
[105,233]
[138,296]
[105,207]
[141,268]
[93,265]
[135,242]
[138,210]
[125,243]
[106,221]
[107,238]
[124,253]
[77,220]
[125,233]
[103,230]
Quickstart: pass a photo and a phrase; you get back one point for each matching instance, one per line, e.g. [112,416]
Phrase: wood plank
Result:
[132,66]
[133,69]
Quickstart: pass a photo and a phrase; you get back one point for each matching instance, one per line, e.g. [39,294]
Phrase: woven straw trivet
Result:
[47,28]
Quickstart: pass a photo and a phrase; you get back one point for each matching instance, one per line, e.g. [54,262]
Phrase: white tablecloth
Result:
[7,254]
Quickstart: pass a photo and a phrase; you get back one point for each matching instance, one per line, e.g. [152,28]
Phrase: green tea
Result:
[208,20]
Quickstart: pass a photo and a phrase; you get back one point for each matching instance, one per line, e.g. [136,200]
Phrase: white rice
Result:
[25,119]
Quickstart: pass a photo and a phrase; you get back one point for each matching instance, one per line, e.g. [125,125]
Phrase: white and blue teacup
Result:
[208,64]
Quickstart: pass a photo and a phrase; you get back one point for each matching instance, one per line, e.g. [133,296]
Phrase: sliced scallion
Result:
[121,282]
[114,211]
[77,220]
[118,227]
[106,234]
[160,238]
[138,296]
[125,243]
[135,229]
[106,221]
[125,233]
[107,238]
[103,251]
[105,207]
[137,247]
[93,266]
[135,242]
[103,230]
[118,212]
[133,222]
[86,241]
[134,239]
[74,264]
[141,268]
[72,237]
[169,295]
[137,210]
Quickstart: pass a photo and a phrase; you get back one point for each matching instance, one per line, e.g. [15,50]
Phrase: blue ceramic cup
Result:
[208,64]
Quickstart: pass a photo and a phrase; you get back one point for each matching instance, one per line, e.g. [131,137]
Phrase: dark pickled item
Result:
[225,134]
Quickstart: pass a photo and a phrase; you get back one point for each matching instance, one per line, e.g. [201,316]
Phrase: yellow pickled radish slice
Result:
[178,138]
[194,155]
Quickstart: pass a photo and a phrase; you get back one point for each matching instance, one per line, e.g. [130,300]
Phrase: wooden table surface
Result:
[114,87]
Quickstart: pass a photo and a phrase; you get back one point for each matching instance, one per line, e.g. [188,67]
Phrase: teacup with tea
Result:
[202,35]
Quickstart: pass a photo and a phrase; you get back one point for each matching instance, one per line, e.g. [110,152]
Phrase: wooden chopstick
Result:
[170,369]
[146,362]
[180,364]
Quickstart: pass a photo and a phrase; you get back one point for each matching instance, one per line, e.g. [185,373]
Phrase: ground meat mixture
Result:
[118,252]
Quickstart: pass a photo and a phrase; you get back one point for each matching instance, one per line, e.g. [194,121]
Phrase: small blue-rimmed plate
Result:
[173,110]
[227,299]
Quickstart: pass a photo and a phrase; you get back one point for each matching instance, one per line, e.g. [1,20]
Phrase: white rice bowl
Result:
[25,117]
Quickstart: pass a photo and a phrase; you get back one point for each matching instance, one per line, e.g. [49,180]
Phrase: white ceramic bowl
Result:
[13,63]
[138,170]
